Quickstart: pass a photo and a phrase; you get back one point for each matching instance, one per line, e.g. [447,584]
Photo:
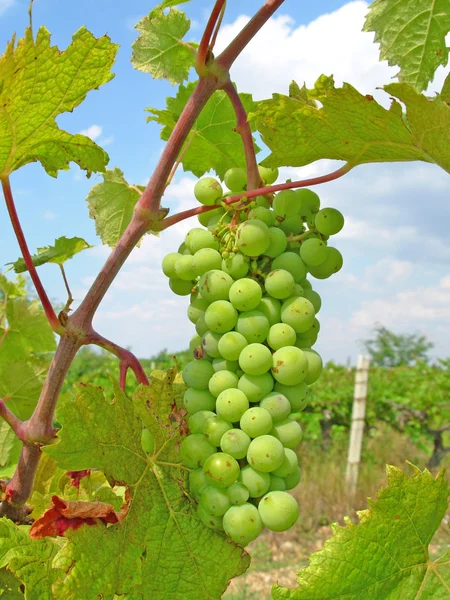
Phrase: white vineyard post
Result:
[357,426]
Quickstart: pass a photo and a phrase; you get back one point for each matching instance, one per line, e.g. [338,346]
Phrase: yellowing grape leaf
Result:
[160,49]
[348,126]
[38,83]
[412,36]
[385,556]
[111,204]
[161,550]
[63,249]
[12,289]
[212,142]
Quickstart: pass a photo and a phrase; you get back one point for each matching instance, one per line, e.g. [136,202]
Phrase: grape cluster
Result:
[254,312]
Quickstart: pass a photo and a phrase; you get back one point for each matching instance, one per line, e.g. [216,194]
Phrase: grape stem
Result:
[48,308]
[186,214]
[211,31]
[243,128]
[14,422]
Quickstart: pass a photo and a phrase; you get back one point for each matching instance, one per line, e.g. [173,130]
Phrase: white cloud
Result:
[5,4]
[49,215]
[107,141]
[93,132]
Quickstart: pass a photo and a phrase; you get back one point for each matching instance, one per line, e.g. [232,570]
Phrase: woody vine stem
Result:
[76,330]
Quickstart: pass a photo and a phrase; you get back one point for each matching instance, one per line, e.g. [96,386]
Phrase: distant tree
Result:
[388,349]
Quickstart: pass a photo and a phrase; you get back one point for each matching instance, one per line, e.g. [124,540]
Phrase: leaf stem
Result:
[14,422]
[169,221]
[204,47]
[48,308]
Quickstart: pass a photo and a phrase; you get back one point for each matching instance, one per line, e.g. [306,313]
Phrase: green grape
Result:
[306,285]
[237,493]
[168,264]
[255,359]
[197,482]
[278,511]
[290,365]
[220,364]
[183,250]
[231,345]
[314,366]
[236,266]
[297,291]
[207,190]
[245,294]
[278,242]
[292,481]
[242,523]
[221,469]
[298,313]
[292,226]
[184,269]
[329,221]
[277,405]
[147,441]
[281,335]
[195,343]
[231,404]
[288,432]
[252,237]
[210,343]
[197,421]
[214,429]
[296,394]
[195,400]
[256,421]
[265,215]
[276,483]
[235,442]
[286,204]
[268,175]
[235,179]
[214,501]
[332,264]
[265,453]
[221,381]
[296,416]
[310,201]
[195,450]
[253,325]
[215,285]
[201,327]
[256,482]
[205,217]
[291,262]
[209,520]
[306,339]
[180,287]
[313,251]
[271,309]
[256,387]
[197,373]
[314,298]
[279,284]
[198,238]
[206,259]
[221,316]
[262,201]
[196,309]
[289,464]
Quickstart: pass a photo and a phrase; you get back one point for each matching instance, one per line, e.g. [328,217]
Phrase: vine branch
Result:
[14,422]
[210,32]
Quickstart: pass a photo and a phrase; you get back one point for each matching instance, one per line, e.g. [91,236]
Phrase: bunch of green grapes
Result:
[254,310]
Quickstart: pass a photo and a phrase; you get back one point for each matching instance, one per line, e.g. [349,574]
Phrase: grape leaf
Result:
[63,249]
[212,142]
[21,383]
[9,450]
[38,83]
[386,555]
[12,289]
[9,586]
[445,92]
[111,204]
[161,550]
[169,3]
[29,560]
[412,36]
[160,49]
[348,126]
[27,330]
[428,120]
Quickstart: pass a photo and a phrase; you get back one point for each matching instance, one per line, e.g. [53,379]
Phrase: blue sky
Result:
[395,244]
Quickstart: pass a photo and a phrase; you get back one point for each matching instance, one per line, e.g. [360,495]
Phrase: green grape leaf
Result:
[12,289]
[428,120]
[28,560]
[161,549]
[63,250]
[20,384]
[169,3]
[445,92]
[27,330]
[9,450]
[9,586]
[160,49]
[212,142]
[35,74]
[111,204]
[386,554]
[348,126]
[412,36]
